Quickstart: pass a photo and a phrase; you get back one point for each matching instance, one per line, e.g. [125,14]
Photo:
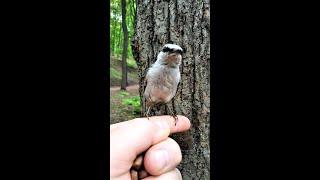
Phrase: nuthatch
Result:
[163,77]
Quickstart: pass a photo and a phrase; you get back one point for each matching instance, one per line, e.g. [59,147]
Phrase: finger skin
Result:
[179,127]
[172,175]
[183,122]
[162,157]
[129,139]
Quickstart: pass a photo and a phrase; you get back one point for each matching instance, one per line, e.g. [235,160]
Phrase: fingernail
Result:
[162,158]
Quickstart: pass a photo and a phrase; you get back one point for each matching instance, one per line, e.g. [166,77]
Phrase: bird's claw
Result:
[175,119]
[147,116]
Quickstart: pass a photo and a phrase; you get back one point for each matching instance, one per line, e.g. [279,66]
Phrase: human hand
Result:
[131,138]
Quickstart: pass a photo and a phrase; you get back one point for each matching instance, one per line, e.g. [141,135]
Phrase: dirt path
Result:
[129,88]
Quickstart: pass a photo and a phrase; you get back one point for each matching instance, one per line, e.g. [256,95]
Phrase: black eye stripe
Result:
[166,49]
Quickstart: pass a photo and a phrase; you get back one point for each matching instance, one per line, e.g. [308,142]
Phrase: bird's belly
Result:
[161,88]
[161,95]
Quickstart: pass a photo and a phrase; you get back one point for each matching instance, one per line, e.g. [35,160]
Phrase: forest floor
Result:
[119,111]
[124,105]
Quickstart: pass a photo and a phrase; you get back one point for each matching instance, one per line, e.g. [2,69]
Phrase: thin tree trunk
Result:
[124,80]
[114,37]
[186,23]
[119,38]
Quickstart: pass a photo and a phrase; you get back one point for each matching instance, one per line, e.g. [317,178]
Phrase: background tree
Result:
[116,32]
[124,80]
[121,31]
[186,23]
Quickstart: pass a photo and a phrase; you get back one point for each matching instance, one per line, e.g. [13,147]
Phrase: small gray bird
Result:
[163,77]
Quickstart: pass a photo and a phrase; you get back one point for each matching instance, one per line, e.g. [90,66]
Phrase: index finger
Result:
[136,136]
[183,123]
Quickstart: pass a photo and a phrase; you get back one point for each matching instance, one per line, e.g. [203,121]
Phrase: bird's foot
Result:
[146,115]
[175,119]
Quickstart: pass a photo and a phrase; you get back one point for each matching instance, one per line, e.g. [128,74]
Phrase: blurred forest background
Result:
[124,103]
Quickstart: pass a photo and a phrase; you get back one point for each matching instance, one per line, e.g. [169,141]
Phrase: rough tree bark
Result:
[124,80]
[186,23]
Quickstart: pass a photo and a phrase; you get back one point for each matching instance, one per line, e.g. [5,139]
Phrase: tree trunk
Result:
[124,80]
[186,23]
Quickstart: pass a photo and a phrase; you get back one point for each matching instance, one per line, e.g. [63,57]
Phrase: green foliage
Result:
[114,74]
[123,93]
[133,101]
[131,63]
[116,33]
[118,110]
